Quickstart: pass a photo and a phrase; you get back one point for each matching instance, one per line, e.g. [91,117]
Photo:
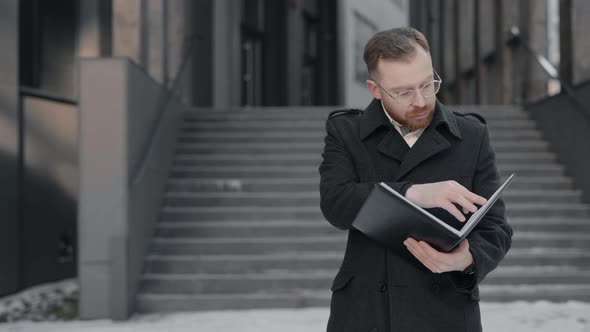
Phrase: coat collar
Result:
[374,117]
[431,142]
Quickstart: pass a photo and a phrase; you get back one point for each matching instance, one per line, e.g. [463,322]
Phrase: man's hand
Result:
[443,195]
[438,262]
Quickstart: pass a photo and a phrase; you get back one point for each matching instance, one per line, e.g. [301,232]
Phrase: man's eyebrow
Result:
[408,87]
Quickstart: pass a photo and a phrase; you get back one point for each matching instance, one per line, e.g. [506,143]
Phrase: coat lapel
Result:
[374,118]
[431,142]
[393,145]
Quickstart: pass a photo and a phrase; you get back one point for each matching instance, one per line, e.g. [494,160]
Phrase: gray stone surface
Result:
[241,227]
[125,152]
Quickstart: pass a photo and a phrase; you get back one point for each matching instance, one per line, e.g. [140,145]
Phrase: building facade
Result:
[481,62]
[234,53]
[226,53]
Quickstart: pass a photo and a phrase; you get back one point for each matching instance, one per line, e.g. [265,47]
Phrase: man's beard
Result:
[410,123]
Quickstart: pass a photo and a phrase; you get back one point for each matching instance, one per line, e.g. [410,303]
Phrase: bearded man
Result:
[440,160]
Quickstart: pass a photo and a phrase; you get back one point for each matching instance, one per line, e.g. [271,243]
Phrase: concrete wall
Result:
[359,20]
[9,113]
[568,132]
[581,47]
[155,34]
[120,196]
[537,81]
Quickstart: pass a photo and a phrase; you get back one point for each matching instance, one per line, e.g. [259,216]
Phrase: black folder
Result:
[389,218]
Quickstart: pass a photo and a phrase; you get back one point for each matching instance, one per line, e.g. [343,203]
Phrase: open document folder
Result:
[389,218]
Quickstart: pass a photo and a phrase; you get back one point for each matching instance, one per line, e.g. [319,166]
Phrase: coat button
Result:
[382,286]
[435,288]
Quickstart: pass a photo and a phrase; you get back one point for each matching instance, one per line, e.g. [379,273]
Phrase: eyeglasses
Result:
[407,97]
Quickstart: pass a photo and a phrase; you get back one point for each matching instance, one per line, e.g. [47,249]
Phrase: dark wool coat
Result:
[379,289]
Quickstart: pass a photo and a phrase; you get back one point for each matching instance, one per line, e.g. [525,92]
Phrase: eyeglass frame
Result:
[439,80]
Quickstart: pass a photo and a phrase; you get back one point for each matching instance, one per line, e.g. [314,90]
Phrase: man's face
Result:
[400,76]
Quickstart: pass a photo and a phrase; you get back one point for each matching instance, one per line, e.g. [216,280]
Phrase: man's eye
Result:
[404,93]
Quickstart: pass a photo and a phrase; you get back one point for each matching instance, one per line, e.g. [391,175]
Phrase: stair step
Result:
[294,136]
[548,209]
[241,228]
[271,228]
[235,264]
[317,146]
[237,136]
[546,292]
[316,113]
[305,298]
[236,283]
[148,302]
[257,124]
[295,184]
[525,134]
[308,171]
[310,198]
[247,246]
[527,156]
[314,159]
[244,213]
[260,245]
[551,224]
[543,254]
[258,263]
[191,283]
[313,212]
[531,275]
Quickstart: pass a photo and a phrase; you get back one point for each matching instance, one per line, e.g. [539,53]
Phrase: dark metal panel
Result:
[275,49]
[202,61]
[328,53]
[566,128]
[9,148]
[50,186]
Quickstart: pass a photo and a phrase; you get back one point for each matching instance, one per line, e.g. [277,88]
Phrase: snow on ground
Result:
[34,304]
[496,317]
[52,301]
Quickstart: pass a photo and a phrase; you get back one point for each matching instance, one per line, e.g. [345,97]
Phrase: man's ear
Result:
[373,89]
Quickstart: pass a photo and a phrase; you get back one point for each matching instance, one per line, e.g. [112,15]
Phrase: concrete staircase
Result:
[241,225]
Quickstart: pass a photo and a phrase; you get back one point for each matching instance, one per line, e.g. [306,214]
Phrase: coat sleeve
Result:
[341,192]
[491,239]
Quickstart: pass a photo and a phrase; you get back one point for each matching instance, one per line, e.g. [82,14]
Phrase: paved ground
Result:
[497,317]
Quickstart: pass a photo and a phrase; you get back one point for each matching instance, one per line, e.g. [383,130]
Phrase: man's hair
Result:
[393,44]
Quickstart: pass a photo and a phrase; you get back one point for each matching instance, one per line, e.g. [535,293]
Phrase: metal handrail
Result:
[163,100]
[549,69]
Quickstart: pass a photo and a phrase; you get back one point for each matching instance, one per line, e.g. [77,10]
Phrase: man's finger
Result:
[411,245]
[472,197]
[465,203]
[435,257]
[422,260]
[422,256]
[452,209]
[475,198]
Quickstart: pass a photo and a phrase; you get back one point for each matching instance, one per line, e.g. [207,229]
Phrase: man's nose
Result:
[419,101]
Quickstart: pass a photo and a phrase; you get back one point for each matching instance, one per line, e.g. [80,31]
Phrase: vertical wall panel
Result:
[9,25]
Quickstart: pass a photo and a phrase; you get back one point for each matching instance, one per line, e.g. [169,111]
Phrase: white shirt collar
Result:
[409,137]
